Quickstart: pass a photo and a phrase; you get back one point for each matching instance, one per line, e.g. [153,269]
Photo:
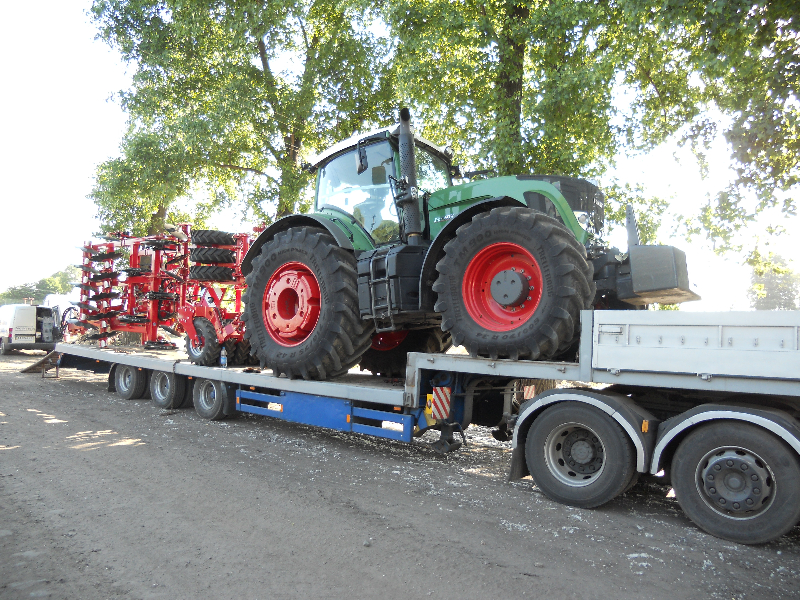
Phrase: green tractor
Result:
[397,259]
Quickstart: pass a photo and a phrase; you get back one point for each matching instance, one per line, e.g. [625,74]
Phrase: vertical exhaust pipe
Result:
[409,201]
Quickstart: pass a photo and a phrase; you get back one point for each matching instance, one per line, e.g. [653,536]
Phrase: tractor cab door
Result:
[366,196]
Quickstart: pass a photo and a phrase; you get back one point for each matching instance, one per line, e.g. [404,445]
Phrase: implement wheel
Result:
[512,284]
[212,237]
[737,482]
[578,455]
[387,354]
[301,306]
[207,351]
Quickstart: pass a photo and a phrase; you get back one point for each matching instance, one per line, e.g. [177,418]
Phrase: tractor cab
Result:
[366,194]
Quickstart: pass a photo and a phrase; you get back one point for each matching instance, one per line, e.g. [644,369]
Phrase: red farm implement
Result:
[184,282]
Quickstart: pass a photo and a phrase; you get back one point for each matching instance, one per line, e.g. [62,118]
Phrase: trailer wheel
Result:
[130,382]
[207,352]
[578,455]
[512,284]
[167,390]
[211,256]
[209,399]
[301,306]
[212,237]
[738,482]
[387,354]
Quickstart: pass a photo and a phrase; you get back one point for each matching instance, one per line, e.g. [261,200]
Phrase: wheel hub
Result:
[574,454]
[509,288]
[736,482]
[502,286]
[291,304]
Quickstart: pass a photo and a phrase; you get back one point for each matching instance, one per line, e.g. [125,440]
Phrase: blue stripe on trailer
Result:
[322,411]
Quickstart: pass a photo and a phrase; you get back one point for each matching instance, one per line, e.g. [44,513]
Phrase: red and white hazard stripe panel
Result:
[440,407]
[528,391]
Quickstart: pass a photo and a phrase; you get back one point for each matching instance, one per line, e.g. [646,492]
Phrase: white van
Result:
[26,327]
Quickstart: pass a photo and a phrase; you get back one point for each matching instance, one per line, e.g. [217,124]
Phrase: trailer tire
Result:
[212,256]
[387,355]
[747,510]
[210,273]
[209,399]
[499,255]
[301,306]
[207,353]
[212,237]
[130,382]
[578,455]
[167,390]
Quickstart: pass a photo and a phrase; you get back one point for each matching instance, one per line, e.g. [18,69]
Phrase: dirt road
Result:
[102,498]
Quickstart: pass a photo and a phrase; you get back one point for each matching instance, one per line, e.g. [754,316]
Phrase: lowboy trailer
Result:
[708,401]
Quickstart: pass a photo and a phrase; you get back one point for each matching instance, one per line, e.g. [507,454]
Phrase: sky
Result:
[59,123]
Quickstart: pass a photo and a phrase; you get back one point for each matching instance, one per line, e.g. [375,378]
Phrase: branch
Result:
[305,36]
[237,168]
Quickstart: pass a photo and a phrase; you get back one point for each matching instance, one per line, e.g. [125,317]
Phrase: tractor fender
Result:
[294,221]
[436,249]
[672,431]
[623,410]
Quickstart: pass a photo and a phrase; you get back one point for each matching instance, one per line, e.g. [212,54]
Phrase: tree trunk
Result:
[157,220]
[509,80]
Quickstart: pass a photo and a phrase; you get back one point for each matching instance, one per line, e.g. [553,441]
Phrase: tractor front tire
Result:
[301,306]
[512,284]
[387,354]
[205,353]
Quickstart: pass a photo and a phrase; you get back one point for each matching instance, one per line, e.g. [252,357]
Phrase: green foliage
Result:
[210,108]
[58,283]
[648,210]
[774,286]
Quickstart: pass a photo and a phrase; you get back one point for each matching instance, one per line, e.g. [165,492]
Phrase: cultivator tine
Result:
[173,276]
[87,269]
[83,305]
[81,323]
[89,250]
[104,276]
[178,258]
[104,296]
[103,316]
[104,335]
[106,256]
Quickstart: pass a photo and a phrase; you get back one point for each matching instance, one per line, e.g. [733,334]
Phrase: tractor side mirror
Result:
[379,175]
[361,158]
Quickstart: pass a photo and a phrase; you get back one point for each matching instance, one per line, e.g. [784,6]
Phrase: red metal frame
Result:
[165,272]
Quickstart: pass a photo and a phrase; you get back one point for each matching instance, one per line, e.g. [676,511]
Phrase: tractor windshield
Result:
[432,172]
[366,196]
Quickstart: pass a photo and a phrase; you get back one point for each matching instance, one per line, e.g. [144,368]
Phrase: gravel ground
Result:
[102,498]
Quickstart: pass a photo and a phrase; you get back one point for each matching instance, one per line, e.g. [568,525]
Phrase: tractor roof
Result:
[351,142]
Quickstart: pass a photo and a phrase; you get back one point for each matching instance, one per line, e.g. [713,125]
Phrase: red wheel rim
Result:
[291,304]
[484,266]
[388,340]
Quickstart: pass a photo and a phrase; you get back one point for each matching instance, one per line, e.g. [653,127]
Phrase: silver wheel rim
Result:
[575,454]
[126,379]
[161,386]
[207,396]
[735,483]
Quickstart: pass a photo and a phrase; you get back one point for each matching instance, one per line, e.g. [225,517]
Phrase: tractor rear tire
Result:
[391,361]
[301,306]
[211,237]
[210,273]
[212,256]
[523,256]
[207,353]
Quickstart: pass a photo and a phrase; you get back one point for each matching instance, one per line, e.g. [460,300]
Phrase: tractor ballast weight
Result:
[501,266]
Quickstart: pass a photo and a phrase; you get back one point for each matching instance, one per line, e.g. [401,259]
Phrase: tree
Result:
[210,106]
[562,87]
[775,286]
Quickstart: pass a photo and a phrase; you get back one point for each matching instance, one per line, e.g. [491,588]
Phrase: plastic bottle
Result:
[223,358]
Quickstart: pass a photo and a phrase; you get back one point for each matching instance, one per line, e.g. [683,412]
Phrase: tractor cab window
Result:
[367,196]
[432,172]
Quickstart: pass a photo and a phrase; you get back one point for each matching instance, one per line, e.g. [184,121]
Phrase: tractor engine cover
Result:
[388,280]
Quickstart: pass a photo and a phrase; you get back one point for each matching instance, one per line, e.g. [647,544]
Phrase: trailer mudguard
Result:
[673,430]
[632,418]
[436,249]
[312,220]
